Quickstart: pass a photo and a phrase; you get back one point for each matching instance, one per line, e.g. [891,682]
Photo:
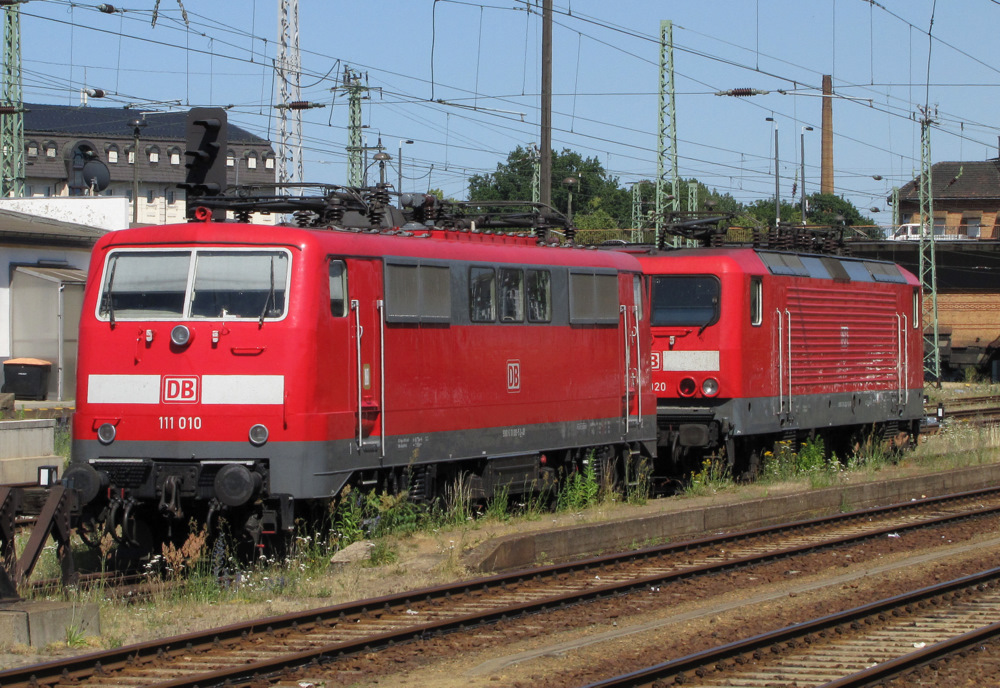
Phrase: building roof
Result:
[21,228]
[70,120]
[971,180]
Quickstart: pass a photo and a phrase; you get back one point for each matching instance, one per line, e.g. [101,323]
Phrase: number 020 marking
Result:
[180,422]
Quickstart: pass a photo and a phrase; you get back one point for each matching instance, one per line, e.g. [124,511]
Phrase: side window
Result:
[637,296]
[916,308]
[511,295]
[593,298]
[338,288]
[482,295]
[417,293]
[756,303]
[539,288]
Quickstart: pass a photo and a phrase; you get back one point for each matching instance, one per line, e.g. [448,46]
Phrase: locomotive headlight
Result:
[180,335]
[687,387]
[106,433]
[258,435]
[710,387]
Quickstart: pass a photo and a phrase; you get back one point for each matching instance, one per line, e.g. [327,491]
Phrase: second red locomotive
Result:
[755,346]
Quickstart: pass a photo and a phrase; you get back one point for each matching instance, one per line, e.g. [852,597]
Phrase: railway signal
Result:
[207,133]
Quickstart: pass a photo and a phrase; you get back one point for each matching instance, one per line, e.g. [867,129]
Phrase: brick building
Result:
[966,199]
[53,132]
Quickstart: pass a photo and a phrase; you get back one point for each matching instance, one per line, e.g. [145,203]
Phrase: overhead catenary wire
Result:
[201,27]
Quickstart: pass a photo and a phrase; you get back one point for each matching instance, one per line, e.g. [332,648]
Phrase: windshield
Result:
[211,283]
[685,300]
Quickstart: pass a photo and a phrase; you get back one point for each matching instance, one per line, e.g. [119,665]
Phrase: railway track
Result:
[243,653]
[864,646]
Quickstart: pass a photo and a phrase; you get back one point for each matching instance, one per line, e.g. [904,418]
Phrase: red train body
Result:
[751,347]
[251,371]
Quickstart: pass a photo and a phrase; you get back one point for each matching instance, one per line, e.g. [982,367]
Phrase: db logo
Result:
[513,376]
[180,390]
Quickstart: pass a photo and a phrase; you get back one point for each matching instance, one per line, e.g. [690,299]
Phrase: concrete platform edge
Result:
[39,624]
[528,549]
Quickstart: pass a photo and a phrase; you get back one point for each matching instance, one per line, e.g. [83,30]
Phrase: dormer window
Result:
[32,149]
[112,151]
[50,149]
[153,154]
[175,156]
[251,161]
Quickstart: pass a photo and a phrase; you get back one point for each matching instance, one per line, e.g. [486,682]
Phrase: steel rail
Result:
[105,661]
[694,662]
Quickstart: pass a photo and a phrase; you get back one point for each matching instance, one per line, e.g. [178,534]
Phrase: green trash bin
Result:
[27,378]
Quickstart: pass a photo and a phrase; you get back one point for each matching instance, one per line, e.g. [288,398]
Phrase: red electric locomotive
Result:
[753,346]
[251,372]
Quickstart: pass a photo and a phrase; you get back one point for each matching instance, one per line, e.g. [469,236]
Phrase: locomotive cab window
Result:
[756,300]
[239,284]
[482,295]
[161,285]
[685,301]
[539,291]
[338,288]
[144,285]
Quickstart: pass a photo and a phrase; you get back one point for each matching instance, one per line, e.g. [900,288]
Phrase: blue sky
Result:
[482,60]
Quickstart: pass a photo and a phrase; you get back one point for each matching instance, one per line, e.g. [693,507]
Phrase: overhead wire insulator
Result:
[742,92]
[106,8]
[300,105]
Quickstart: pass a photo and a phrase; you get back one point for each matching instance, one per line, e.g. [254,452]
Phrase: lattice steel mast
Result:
[352,84]
[666,145]
[289,67]
[927,263]
[12,107]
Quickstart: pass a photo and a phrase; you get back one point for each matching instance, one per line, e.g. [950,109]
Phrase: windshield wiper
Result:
[270,297]
[109,294]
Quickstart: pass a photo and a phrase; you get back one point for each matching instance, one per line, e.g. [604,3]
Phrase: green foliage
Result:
[811,457]
[75,637]
[600,203]
[828,209]
[595,188]
[810,462]
[498,507]
[63,440]
[579,489]
[638,483]
[382,553]
[348,516]
[713,477]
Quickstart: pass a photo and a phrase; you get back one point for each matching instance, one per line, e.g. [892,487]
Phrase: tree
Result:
[760,214]
[595,190]
[828,209]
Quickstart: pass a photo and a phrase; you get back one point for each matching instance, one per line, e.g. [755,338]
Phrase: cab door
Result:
[366,314]
[630,300]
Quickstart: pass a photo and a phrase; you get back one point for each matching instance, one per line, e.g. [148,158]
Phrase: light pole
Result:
[399,163]
[569,182]
[777,179]
[381,157]
[802,153]
[137,125]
